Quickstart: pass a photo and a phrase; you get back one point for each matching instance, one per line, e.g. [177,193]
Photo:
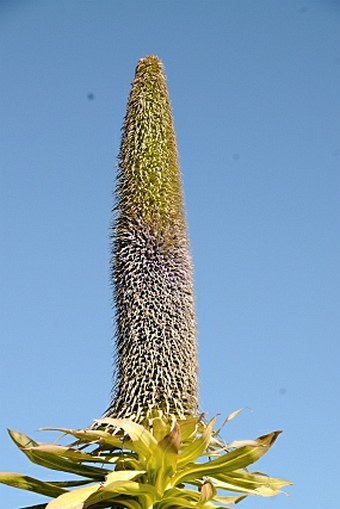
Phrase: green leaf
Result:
[184,502]
[176,502]
[37,454]
[182,492]
[24,482]
[196,447]
[189,427]
[186,498]
[70,484]
[90,496]
[230,500]
[160,425]
[123,475]
[250,482]
[105,439]
[163,461]
[146,494]
[22,441]
[143,441]
[74,455]
[240,458]
[54,462]
[73,499]
[126,502]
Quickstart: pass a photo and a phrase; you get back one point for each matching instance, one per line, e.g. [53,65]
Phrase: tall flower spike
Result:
[170,458]
[156,359]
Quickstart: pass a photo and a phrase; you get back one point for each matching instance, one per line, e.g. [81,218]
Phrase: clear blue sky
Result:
[255,89]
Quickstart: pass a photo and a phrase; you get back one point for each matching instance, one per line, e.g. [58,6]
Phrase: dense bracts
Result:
[156,358]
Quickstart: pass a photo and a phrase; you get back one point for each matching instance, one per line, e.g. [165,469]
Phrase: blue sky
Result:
[255,93]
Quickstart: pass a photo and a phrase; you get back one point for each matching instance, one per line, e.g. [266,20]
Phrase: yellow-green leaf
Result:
[127,502]
[24,482]
[38,455]
[55,462]
[143,441]
[189,427]
[160,426]
[146,494]
[250,482]
[230,500]
[182,502]
[162,463]
[70,484]
[239,458]
[21,440]
[197,447]
[123,475]
[73,499]
[74,455]
[90,436]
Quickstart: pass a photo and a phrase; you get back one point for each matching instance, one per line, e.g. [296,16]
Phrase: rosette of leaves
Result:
[164,464]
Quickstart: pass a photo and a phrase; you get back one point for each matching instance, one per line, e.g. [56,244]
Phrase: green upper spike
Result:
[156,359]
[149,180]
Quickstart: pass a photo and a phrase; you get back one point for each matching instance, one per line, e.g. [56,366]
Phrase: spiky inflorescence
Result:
[156,358]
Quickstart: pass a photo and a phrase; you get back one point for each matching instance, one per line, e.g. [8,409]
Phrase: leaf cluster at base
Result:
[164,463]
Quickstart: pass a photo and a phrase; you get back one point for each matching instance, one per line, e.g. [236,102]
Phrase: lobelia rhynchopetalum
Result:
[151,449]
